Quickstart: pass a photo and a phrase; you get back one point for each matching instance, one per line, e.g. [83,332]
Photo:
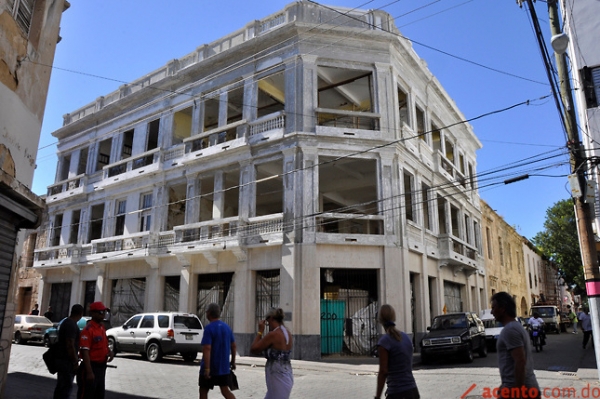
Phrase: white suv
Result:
[158,334]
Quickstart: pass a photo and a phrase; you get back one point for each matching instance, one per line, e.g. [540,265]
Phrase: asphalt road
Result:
[563,364]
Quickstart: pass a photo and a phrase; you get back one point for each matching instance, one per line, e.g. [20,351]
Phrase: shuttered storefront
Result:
[8,236]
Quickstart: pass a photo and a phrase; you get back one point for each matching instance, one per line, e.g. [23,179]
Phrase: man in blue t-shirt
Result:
[217,343]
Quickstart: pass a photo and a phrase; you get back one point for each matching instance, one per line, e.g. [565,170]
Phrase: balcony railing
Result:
[66,185]
[347,119]
[133,163]
[121,243]
[215,136]
[55,253]
[345,223]
[269,122]
[263,225]
[453,248]
[206,231]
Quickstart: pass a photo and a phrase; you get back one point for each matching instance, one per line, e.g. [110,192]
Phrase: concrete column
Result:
[76,290]
[192,206]
[159,213]
[310,192]
[388,193]
[247,190]
[223,98]
[140,136]
[165,133]
[219,195]
[84,225]
[250,108]
[74,163]
[289,190]
[184,291]
[197,116]
[92,157]
[65,230]
[108,222]
[102,284]
[155,291]
[306,100]
[116,149]
[383,98]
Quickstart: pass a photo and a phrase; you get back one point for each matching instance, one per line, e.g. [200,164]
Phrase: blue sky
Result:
[107,43]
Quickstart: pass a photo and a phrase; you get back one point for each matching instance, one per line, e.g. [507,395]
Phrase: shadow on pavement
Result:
[27,386]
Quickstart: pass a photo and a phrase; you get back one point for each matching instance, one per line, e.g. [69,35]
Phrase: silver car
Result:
[30,328]
[157,334]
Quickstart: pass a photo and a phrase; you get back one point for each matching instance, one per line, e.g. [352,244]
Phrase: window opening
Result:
[182,125]
[345,93]
[75,221]
[22,12]
[127,144]
[231,186]
[271,95]
[420,123]
[454,220]
[172,290]
[96,222]
[207,188]
[269,190]
[403,107]
[103,153]
[408,196]
[121,210]
[56,231]
[65,166]
[153,129]
[235,104]
[426,203]
[442,214]
[176,207]
[127,299]
[348,186]
[211,114]
[83,159]
[146,214]
[217,288]
[436,136]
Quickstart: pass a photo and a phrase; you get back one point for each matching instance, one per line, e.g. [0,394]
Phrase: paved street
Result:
[332,378]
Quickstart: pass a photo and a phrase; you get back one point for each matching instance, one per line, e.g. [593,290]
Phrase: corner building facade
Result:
[304,161]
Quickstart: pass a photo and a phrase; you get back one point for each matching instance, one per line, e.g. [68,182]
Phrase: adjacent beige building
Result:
[504,260]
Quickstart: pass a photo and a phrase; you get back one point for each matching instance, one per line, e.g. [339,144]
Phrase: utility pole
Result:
[587,242]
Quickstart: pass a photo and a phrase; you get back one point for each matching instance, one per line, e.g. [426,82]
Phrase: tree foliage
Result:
[559,242]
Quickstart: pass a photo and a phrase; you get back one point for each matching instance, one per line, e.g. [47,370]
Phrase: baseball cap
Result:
[97,306]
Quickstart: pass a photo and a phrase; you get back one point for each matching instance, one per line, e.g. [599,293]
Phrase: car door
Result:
[147,326]
[125,335]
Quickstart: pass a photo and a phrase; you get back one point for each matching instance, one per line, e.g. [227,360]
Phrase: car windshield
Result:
[544,312]
[37,319]
[449,322]
[492,323]
[187,321]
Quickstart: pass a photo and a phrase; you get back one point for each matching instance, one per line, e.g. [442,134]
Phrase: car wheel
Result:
[469,355]
[189,356]
[19,339]
[153,352]
[112,345]
[483,350]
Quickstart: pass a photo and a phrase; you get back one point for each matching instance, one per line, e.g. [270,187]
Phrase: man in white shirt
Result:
[537,321]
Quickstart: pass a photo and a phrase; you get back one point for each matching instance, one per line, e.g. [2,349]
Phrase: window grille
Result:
[22,12]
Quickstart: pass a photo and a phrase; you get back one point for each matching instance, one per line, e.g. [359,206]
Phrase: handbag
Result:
[50,357]
[233,382]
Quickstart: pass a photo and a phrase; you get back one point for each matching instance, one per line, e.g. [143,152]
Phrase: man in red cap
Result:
[95,353]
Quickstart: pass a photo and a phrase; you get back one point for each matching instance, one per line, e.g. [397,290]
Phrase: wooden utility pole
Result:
[565,104]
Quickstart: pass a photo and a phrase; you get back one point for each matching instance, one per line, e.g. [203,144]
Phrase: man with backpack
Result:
[67,349]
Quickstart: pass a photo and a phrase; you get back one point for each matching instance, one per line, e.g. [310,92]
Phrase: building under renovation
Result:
[308,161]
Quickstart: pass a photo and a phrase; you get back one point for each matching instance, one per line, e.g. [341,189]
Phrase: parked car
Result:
[493,328]
[157,334]
[30,328]
[454,335]
[51,334]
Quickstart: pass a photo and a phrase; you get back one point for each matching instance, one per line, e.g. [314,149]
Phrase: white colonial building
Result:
[309,161]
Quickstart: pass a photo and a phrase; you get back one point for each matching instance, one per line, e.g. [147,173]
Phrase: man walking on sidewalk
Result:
[514,352]
[67,361]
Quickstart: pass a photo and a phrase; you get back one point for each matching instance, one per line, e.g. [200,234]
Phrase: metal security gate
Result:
[60,298]
[452,297]
[128,296]
[349,304]
[89,296]
[8,237]
[217,288]
[267,292]
[171,297]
